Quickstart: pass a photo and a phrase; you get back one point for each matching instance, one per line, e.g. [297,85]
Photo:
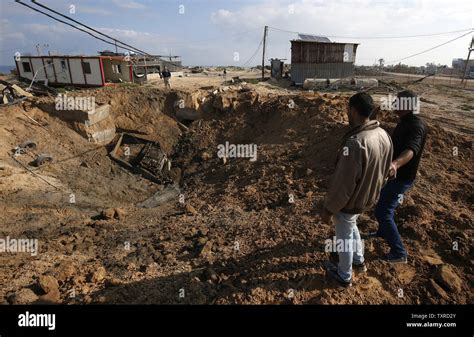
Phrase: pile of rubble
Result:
[12,93]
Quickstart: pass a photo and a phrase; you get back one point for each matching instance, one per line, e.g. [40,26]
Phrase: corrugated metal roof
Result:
[313,38]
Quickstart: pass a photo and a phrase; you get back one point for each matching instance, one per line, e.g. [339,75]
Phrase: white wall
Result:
[22,73]
[49,70]
[63,75]
[95,77]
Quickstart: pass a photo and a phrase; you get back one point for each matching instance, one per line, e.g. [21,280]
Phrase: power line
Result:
[88,27]
[377,37]
[114,41]
[71,25]
[254,54]
[427,50]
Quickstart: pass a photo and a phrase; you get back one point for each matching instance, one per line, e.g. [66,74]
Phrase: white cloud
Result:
[129,4]
[358,19]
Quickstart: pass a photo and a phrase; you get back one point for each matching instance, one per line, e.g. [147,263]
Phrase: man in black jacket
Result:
[166,77]
[408,141]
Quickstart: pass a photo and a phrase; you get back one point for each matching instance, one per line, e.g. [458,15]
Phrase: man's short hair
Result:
[363,103]
[404,96]
[407,94]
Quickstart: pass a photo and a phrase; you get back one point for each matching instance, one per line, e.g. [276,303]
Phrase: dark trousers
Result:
[390,198]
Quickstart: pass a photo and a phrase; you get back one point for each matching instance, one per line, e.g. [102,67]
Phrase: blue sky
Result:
[211,32]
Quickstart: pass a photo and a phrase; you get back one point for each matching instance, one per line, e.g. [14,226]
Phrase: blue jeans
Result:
[390,198]
[347,231]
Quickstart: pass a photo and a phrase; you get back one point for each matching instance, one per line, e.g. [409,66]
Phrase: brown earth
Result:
[241,231]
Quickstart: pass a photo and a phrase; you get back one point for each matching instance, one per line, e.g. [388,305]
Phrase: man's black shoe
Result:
[331,271]
[359,267]
[396,259]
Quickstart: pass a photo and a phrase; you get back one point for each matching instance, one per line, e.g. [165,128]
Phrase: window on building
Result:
[87,67]
[26,67]
[63,64]
[116,69]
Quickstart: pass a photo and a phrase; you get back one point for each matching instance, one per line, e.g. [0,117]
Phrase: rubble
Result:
[184,215]
[98,275]
[23,296]
[12,93]
[142,157]
[48,283]
[449,279]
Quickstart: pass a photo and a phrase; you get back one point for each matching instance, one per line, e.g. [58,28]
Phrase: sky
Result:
[229,32]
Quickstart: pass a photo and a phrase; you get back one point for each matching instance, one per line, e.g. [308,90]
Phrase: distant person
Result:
[362,166]
[224,74]
[166,77]
[408,139]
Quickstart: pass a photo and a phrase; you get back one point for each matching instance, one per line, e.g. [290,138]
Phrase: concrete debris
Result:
[97,125]
[12,93]
[48,283]
[169,193]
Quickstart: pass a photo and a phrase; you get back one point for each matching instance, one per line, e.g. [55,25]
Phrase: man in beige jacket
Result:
[362,166]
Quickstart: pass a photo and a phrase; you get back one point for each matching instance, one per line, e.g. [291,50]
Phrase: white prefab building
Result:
[76,70]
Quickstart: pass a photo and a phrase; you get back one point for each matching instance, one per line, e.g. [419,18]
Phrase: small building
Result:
[317,57]
[75,70]
[276,66]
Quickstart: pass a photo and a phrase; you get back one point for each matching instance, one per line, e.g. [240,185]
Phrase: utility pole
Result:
[265,31]
[467,62]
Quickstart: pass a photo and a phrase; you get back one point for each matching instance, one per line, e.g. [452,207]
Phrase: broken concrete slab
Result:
[88,117]
[100,132]
[21,92]
[161,197]
[98,114]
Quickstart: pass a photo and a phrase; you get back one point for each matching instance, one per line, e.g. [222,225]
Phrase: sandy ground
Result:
[241,231]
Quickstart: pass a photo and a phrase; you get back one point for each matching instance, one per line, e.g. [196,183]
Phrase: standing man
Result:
[362,165]
[166,77]
[408,140]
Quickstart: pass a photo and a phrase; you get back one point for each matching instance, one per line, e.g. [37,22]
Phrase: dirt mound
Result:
[242,231]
